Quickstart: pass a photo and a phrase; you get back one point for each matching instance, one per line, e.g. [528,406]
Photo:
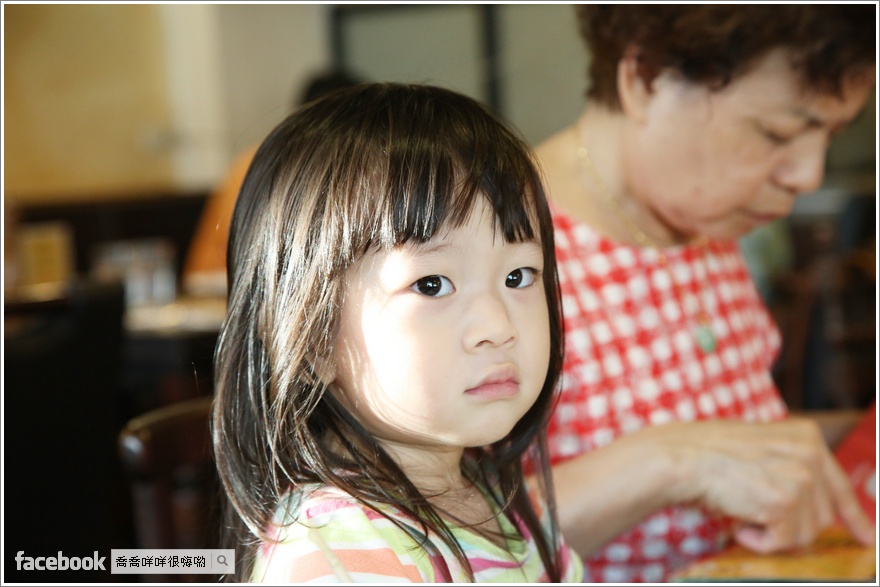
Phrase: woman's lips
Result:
[763,218]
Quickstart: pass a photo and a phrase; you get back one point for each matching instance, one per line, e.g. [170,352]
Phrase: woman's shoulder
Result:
[577,241]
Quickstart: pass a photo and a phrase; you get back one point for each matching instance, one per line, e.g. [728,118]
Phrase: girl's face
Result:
[721,163]
[444,345]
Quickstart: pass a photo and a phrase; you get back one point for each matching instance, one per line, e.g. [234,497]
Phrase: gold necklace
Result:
[703,332]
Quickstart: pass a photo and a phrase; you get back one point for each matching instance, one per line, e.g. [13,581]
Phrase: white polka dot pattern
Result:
[632,361]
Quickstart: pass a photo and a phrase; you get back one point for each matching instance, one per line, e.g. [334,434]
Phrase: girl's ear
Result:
[324,369]
[633,88]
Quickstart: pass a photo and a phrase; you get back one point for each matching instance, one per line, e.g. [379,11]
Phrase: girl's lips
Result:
[498,390]
[502,384]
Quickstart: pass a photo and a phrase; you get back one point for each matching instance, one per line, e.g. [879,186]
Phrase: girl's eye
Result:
[435,286]
[522,277]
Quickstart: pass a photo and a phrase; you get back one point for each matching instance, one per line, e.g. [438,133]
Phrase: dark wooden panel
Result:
[171,216]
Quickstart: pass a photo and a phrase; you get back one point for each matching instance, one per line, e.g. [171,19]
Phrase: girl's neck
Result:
[432,470]
[438,476]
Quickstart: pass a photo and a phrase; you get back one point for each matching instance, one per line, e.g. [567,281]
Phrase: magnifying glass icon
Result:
[221,560]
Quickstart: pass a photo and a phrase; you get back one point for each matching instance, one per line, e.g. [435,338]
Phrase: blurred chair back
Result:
[830,336]
[168,456]
[63,486]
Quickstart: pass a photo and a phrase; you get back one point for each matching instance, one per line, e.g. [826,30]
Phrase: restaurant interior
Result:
[120,120]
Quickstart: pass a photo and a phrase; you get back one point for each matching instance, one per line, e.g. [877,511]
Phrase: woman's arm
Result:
[605,492]
[779,479]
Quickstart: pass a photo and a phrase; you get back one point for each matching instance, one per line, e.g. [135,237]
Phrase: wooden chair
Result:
[827,311]
[167,453]
[829,335]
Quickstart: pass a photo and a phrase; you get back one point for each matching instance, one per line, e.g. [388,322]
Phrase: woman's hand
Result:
[779,479]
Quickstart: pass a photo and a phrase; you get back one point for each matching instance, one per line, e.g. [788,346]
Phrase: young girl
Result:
[391,348]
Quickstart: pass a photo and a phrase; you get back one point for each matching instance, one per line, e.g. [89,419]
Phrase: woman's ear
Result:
[633,85]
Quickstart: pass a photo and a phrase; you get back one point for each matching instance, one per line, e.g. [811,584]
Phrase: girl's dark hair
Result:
[713,44]
[325,82]
[375,165]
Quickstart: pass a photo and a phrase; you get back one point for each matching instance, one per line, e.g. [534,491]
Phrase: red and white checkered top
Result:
[632,360]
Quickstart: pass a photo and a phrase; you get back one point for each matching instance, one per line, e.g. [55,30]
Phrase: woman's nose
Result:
[803,169]
[489,322]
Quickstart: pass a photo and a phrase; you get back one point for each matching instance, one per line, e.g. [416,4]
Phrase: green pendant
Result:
[705,338]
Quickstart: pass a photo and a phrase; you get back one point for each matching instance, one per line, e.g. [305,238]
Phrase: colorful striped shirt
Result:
[323,535]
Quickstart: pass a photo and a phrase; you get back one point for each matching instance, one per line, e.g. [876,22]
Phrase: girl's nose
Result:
[489,323]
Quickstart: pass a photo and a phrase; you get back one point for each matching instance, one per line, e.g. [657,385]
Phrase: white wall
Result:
[212,79]
[434,44]
[267,52]
[541,60]
[543,67]
[197,138]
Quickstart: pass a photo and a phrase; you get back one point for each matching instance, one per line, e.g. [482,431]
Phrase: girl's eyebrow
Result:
[430,247]
[533,244]
[438,245]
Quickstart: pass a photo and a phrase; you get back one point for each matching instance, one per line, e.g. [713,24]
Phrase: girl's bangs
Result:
[403,164]
[438,189]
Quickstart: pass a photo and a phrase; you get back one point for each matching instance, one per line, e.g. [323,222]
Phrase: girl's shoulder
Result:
[322,533]
[313,500]
[322,506]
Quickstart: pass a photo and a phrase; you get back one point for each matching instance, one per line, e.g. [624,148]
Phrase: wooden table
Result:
[169,352]
[833,557]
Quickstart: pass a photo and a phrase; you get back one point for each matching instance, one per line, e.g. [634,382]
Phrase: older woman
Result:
[702,122]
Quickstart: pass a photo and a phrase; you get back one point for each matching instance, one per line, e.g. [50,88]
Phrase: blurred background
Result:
[119,122]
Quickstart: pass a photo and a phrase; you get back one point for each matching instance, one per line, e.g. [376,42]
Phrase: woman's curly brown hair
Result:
[713,44]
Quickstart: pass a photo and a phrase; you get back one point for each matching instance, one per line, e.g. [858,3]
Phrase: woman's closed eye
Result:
[435,286]
[777,136]
[522,277]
